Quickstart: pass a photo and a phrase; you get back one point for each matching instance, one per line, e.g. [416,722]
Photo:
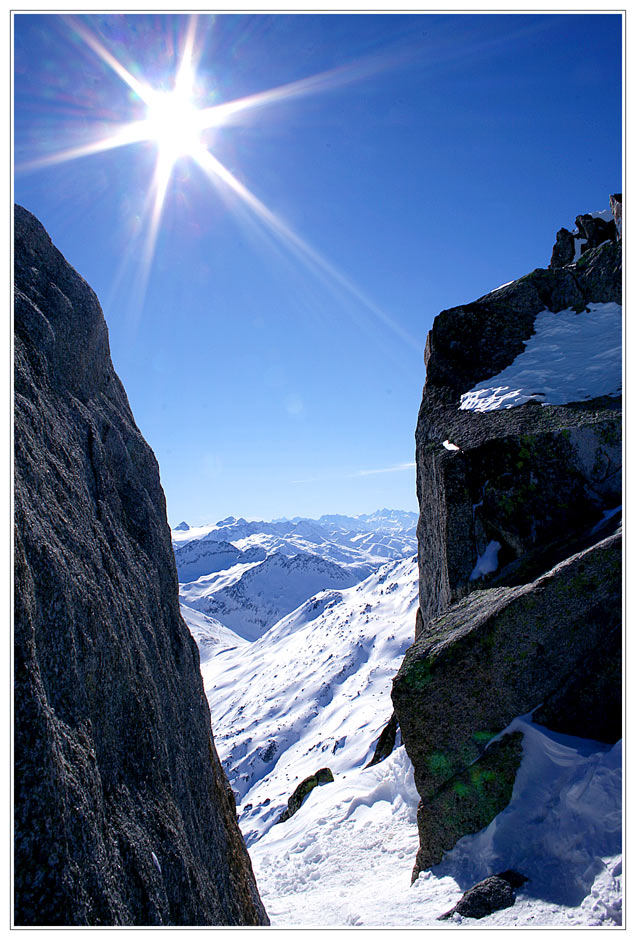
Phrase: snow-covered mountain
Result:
[334,528]
[247,574]
[250,598]
[312,691]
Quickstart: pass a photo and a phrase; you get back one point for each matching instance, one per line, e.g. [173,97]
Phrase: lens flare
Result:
[175,124]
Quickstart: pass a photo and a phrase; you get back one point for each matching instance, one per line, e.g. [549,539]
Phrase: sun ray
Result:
[138,87]
[163,172]
[185,74]
[329,80]
[132,133]
[214,168]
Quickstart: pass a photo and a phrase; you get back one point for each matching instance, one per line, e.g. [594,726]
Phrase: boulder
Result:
[123,814]
[302,791]
[492,894]
[499,653]
[496,654]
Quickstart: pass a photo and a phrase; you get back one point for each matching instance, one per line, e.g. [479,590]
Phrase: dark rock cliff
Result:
[542,484]
[123,814]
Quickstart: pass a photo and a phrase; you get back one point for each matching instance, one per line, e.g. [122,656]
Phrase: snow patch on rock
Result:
[571,357]
[487,562]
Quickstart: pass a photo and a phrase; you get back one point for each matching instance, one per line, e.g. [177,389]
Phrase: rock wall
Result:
[123,814]
[541,484]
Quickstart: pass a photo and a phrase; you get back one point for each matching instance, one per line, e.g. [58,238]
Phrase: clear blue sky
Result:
[272,350]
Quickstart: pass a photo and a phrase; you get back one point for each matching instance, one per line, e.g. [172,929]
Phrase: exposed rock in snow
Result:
[492,894]
[302,791]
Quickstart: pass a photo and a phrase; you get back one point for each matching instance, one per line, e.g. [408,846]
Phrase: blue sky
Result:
[271,337]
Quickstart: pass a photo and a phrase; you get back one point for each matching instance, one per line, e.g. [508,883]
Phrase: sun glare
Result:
[174,123]
[177,127]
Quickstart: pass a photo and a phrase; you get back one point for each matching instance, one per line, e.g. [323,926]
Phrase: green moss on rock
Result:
[469,801]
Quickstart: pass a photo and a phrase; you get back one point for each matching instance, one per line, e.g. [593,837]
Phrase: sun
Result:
[174,124]
[180,128]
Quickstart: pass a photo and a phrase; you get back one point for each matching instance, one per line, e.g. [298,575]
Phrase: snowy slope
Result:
[346,857]
[210,635]
[250,574]
[250,598]
[571,357]
[202,556]
[313,691]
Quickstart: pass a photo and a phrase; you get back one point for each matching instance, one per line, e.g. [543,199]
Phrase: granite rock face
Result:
[123,814]
[540,487]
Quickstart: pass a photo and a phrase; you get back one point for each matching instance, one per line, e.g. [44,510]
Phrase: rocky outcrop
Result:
[520,563]
[492,894]
[302,791]
[590,232]
[386,742]
[123,815]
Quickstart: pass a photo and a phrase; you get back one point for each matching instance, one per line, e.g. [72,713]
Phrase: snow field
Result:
[314,691]
[345,859]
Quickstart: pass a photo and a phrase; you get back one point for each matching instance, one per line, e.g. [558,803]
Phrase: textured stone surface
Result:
[492,894]
[467,802]
[499,653]
[123,814]
[537,489]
